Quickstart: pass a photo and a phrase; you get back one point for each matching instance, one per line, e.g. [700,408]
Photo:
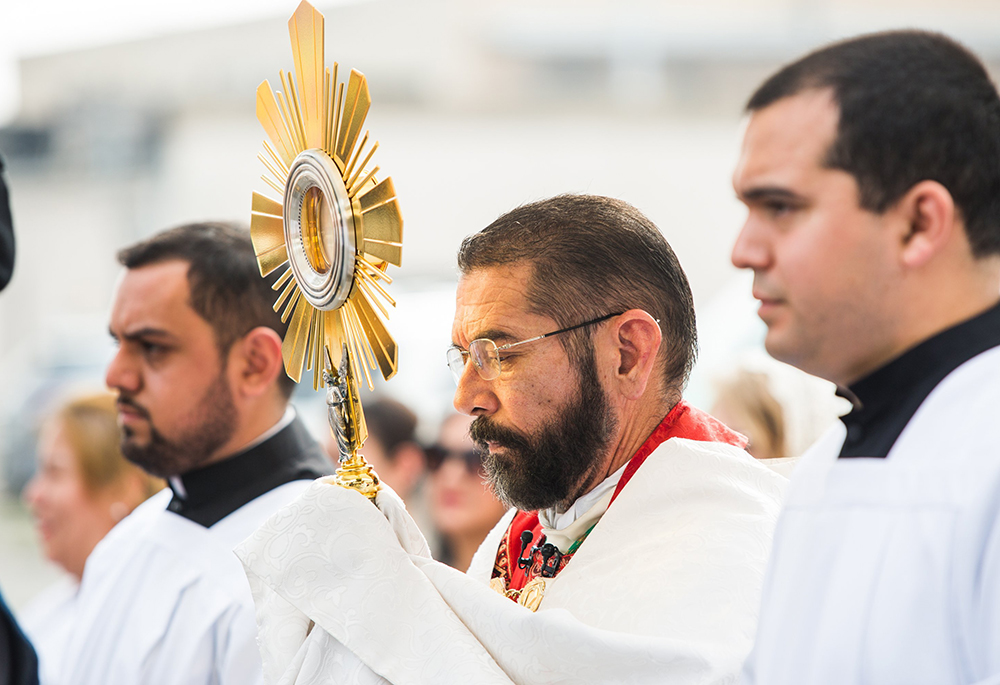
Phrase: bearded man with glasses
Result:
[639,527]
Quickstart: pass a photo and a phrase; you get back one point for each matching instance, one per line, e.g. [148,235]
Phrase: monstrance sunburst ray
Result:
[336,228]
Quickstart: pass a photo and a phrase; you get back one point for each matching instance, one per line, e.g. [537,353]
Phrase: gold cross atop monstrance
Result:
[334,231]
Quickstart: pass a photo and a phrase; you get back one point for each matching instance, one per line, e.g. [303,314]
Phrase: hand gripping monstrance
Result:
[334,233]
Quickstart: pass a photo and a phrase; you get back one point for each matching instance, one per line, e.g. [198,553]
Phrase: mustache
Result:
[126,401]
[484,430]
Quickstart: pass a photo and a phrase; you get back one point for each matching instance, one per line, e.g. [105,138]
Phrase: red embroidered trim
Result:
[683,421]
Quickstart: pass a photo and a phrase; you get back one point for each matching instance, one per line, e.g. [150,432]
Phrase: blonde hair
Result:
[90,424]
[748,393]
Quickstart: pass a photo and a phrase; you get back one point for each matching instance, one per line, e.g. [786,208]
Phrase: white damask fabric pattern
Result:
[664,590]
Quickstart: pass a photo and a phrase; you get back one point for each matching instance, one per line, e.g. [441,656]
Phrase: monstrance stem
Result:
[344,411]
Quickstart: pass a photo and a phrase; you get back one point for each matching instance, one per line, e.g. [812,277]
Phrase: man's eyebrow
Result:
[764,193]
[143,334]
[494,334]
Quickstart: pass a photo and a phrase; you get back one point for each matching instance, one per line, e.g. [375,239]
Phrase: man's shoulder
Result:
[161,549]
[680,467]
[155,552]
[158,577]
[949,439]
[728,450]
[133,526]
[240,524]
[689,533]
[953,429]
[972,389]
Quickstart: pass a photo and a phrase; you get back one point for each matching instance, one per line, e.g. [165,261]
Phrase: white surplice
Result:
[664,590]
[164,601]
[887,571]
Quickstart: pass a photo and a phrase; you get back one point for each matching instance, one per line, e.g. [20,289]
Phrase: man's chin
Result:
[151,464]
[140,453]
[794,352]
[133,440]
[777,344]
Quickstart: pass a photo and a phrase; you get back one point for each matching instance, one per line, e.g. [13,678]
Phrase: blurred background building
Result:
[123,120]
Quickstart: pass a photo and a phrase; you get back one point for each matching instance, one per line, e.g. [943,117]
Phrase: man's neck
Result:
[921,329]
[635,425]
[252,432]
[954,289]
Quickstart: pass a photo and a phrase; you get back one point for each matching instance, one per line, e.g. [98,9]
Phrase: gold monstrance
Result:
[334,232]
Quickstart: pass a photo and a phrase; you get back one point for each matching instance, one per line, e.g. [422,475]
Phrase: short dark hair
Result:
[224,280]
[593,256]
[392,423]
[914,106]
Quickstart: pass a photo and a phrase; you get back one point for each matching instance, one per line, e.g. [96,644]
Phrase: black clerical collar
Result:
[885,400]
[209,494]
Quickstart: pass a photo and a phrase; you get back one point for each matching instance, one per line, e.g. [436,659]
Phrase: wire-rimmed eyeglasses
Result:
[485,353]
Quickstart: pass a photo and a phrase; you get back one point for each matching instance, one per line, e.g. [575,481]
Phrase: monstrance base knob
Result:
[356,474]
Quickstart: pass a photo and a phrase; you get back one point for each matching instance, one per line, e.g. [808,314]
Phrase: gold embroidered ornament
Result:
[530,596]
[334,231]
[532,593]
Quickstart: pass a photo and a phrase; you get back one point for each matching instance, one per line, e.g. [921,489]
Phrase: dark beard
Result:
[216,416]
[549,468]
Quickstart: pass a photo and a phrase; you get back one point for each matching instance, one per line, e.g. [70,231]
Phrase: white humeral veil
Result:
[664,590]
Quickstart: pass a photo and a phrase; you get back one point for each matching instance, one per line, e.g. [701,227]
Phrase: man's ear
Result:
[255,361]
[635,338]
[928,218]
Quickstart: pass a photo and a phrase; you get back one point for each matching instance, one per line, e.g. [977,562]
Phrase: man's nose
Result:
[121,373]
[750,250]
[474,396]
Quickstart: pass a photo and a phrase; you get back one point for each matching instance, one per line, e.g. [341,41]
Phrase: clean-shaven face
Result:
[821,263]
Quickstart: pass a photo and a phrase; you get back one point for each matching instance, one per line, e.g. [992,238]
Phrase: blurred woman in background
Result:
[463,507]
[746,404]
[82,488]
